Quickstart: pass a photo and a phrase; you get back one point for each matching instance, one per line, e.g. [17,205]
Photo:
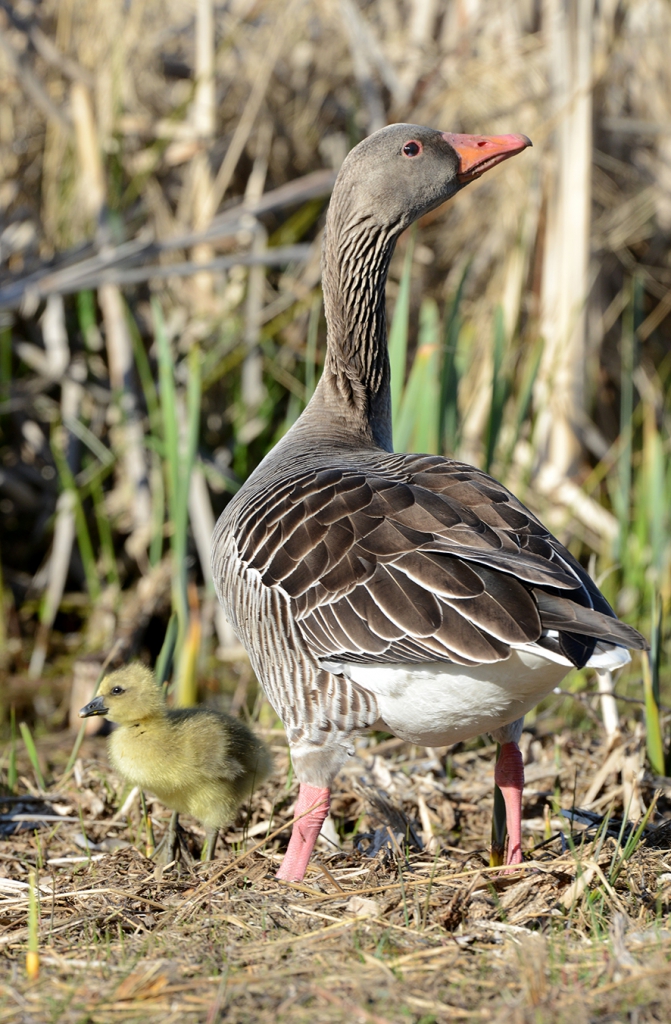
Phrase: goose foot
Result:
[315,801]
[509,777]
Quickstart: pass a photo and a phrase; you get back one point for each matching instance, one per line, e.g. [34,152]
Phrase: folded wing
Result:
[421,559]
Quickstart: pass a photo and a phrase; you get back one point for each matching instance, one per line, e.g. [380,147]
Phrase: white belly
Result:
[438,704]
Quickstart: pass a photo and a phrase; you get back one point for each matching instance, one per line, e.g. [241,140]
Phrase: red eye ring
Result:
[412,148]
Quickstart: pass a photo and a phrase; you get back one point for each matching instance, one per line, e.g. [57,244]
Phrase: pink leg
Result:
[304,833]
[509,777]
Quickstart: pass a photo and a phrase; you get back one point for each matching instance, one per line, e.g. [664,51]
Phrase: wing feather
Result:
[360,635]
[463,636]
[408,605]
[558,613]
[444,575]
[370,611]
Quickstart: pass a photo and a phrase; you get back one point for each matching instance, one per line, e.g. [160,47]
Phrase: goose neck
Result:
[356,377]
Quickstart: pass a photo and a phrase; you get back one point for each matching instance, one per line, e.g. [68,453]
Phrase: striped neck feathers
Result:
[356,257]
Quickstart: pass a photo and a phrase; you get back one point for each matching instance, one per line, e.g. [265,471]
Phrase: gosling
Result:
[195,760]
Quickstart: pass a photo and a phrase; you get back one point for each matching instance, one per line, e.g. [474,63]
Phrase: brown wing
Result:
[422,559]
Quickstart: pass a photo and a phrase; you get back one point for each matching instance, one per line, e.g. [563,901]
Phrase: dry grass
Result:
[581,933]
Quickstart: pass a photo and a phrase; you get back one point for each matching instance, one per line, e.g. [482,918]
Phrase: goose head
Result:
[385,183]
[405,170]
[128,695]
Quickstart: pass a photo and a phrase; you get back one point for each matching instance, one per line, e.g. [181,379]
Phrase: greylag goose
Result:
[197,761]
[411,592]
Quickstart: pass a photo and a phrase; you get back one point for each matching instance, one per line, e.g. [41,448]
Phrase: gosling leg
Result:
[210,845]
[166,851]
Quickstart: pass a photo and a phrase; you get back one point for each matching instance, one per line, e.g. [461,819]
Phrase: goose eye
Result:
[412,148]
[116,690]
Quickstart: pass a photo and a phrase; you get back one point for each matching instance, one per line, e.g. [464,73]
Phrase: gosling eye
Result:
[412,148]
[116,691]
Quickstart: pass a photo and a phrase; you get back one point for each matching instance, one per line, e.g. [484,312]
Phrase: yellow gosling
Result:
[195,760]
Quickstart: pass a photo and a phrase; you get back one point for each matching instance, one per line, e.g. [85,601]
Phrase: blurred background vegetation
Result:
[164,173]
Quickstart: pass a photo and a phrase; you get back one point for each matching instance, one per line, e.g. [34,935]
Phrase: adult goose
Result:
[408,591]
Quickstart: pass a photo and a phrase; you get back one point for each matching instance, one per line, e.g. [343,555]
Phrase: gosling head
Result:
[128,695]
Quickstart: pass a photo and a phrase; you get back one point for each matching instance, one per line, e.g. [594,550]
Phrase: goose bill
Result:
[478,153]
[94,707]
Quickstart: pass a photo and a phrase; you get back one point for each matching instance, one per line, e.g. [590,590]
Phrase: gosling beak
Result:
[94,707]
[477,153]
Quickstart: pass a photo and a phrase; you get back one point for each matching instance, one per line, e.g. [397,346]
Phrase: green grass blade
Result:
[194,396]
[179,460]
[104,531]
[651,665]
[419,416]
[653,729]
[185,692]
[176,503]
[31,750]
[187,457]
[33,953]
[189,642]
[656,638]
[500,389]
[88,321]
[398,334]
[68,483]
[298,224]
[157,510]
[524,396]
[166,654]
[12,773]
[74,753]
[632,842]
[144,373]
[623,493]
[652,500]
[168,404]
[448,429]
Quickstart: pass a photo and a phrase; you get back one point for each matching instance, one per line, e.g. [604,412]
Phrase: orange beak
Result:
[477,153]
